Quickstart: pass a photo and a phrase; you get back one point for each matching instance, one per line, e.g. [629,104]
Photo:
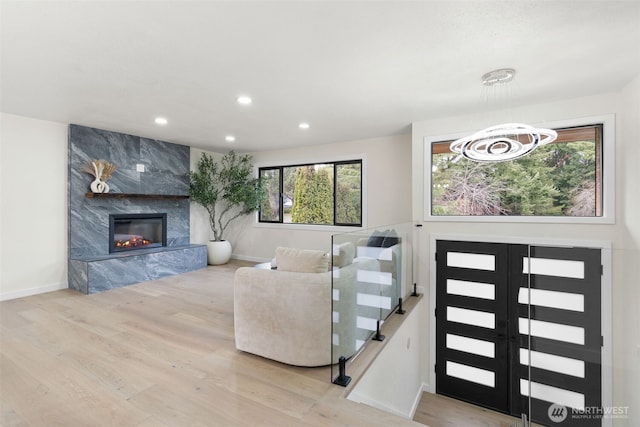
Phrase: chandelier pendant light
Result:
[502,142]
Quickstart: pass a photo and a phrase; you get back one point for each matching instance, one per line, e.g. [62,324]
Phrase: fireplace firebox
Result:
[137,231]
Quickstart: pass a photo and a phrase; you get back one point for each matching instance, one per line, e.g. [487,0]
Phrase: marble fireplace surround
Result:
[162,188]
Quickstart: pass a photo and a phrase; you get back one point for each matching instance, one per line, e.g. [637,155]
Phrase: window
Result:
[319,194]
[560,182]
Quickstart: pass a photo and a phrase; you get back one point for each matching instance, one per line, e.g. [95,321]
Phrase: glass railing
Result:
[371,271]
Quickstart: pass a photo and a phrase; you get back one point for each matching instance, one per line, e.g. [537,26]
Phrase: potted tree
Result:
[227,190]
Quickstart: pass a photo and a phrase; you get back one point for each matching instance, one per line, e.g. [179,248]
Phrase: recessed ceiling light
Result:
[244,100]
[229,138]
[161,121]
[303,125]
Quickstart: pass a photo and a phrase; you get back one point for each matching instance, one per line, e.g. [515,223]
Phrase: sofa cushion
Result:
[343,254]
[301,260]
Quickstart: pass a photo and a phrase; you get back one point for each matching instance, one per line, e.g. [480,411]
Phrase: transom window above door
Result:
[568,180]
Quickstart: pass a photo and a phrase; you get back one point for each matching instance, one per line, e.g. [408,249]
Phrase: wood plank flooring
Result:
[161,354]
[439,411]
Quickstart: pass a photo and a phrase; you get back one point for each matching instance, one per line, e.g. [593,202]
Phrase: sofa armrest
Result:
[283,315]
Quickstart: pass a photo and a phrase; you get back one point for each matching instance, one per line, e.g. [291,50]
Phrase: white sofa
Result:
[287,315]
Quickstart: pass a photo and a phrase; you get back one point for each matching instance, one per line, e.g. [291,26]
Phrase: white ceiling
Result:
[353,70]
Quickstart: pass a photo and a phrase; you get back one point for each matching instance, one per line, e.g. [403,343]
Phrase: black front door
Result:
[471,323]
[519,326]
[556,340]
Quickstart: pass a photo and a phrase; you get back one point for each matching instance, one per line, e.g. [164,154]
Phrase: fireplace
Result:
[137,231]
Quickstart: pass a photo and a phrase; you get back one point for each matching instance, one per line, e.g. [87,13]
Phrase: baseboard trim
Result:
[417,400]
[5,296]
[374,403]
[356,397]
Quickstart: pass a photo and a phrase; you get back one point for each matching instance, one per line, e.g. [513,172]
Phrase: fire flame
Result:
[132,243]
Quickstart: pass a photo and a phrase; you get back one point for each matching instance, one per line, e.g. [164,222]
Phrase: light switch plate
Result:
[139,167]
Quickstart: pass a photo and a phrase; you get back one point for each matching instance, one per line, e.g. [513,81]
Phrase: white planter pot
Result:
[218,252]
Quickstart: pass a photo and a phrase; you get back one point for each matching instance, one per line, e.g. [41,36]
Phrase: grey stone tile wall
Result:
[166,173]
[91,267]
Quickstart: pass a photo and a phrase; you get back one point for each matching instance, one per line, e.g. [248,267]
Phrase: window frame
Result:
[336,225]
[607,178]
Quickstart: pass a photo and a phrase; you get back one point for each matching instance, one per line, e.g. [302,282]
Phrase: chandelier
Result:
[502,142]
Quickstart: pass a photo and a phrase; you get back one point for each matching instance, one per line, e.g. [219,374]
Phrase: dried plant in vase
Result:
[102,171]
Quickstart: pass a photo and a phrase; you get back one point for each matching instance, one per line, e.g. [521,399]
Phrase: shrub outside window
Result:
[318,194]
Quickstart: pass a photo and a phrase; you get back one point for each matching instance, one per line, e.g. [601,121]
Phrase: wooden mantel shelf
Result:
[134,196]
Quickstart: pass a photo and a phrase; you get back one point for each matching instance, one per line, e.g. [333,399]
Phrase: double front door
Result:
[518,329]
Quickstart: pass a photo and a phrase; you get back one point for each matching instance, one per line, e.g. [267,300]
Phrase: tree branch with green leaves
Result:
[227,189]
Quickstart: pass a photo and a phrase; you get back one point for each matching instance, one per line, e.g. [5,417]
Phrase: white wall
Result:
[393,382]
[624,234]
[626,259]
[33,191]
[387,197]
[33,206]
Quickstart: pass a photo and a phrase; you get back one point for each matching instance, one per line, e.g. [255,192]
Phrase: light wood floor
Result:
[162,354]
[440,411]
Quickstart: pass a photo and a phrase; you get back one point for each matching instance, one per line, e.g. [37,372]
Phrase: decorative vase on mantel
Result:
[101,170]
[99,186]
